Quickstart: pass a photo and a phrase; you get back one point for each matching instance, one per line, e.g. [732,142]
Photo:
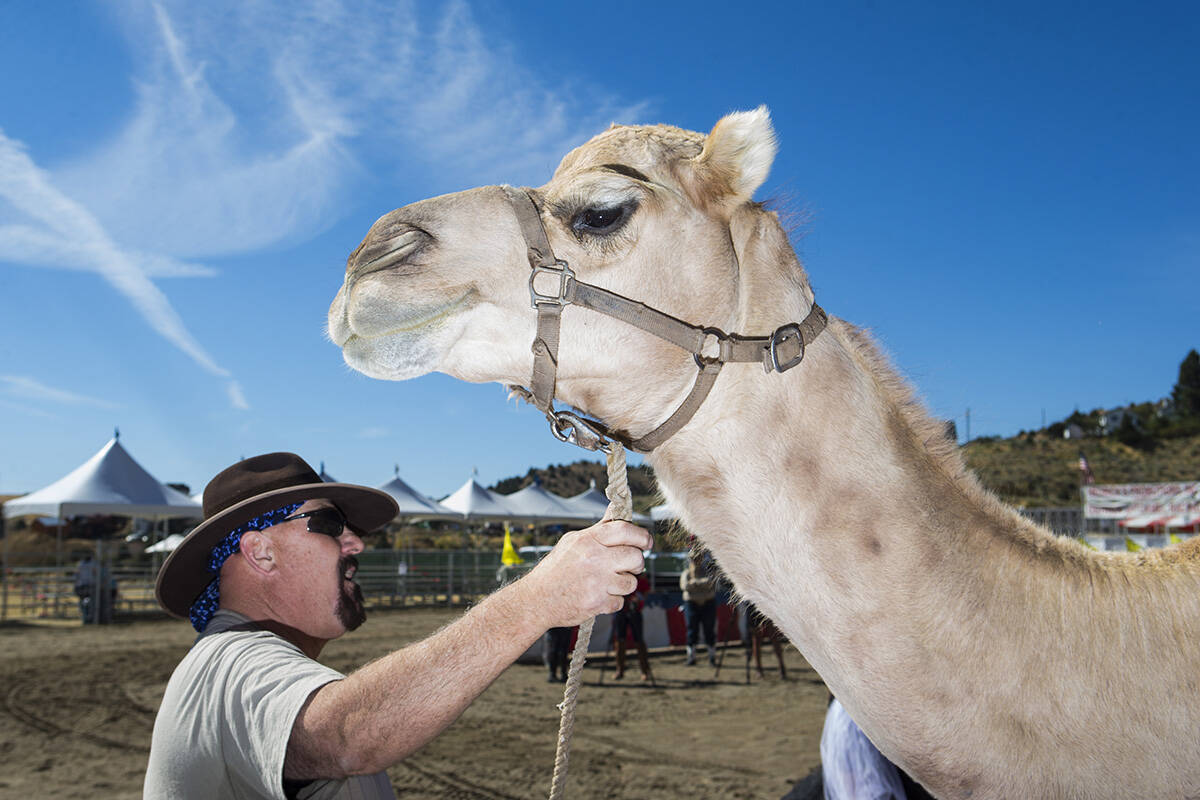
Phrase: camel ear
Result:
[737,155]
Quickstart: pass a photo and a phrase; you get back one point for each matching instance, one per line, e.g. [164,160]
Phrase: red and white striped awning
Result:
[1163,521]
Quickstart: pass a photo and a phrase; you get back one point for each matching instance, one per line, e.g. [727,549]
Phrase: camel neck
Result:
[860,513]
[847,517]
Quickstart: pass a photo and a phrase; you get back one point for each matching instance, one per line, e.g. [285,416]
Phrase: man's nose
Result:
[350,542]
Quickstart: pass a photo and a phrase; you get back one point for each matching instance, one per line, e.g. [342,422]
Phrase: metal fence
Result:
[387,577]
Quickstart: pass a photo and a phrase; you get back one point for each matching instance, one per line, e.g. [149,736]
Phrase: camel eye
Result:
[601,220]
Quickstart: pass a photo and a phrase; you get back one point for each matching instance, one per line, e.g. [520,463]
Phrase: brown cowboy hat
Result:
[240,493]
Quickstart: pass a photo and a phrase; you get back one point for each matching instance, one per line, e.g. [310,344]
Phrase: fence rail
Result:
[387,578]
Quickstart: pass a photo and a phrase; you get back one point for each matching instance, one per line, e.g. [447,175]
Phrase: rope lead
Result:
[620,506]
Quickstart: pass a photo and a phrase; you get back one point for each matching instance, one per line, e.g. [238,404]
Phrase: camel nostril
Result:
[391,248]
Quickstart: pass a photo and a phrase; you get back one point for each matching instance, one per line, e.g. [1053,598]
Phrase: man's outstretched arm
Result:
[394,705]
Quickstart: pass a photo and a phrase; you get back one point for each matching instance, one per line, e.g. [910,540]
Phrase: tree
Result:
[1187,391]
[1132,434]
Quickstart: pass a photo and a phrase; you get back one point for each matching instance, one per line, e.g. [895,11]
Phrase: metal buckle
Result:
[565,275]
[782,334]
[573,429]
[720,336]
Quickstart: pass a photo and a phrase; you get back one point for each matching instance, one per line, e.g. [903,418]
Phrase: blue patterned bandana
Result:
[205,605]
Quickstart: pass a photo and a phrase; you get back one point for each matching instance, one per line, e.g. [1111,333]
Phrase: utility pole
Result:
[968,426]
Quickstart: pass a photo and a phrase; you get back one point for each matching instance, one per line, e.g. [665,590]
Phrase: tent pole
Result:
[58,553]
[4,575]
[98,586]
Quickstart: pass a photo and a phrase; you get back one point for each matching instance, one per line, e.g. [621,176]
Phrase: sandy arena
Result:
[79,705]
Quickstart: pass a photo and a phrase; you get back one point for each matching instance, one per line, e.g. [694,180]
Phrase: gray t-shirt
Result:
[223,726]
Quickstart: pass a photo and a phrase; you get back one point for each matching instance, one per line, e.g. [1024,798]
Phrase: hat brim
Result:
[184,575]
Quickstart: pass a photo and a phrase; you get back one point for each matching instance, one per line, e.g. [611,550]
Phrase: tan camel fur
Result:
[985,656]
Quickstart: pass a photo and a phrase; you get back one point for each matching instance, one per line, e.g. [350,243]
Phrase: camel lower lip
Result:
[417,323]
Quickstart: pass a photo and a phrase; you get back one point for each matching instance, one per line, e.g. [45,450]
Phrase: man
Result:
[628,623]
[699,587]
[268,579]
[85,589]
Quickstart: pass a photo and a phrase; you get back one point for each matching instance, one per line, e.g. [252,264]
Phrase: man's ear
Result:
[258,551]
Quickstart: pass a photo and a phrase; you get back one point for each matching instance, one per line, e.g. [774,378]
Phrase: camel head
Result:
[660,215]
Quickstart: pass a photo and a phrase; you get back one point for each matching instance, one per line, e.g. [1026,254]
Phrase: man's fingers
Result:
[625,584]
[630,560]
[616,532]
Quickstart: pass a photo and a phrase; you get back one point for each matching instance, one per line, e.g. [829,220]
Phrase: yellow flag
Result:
[1174,539]
[1131,545]
[509,557]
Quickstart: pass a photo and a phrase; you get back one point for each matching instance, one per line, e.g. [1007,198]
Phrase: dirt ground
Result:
[79,705]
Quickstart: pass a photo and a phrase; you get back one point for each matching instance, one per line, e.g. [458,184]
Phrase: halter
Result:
[778,352]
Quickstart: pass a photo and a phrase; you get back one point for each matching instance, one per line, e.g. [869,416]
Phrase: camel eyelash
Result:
[602,219]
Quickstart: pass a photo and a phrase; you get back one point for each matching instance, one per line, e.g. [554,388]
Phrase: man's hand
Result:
[588,572]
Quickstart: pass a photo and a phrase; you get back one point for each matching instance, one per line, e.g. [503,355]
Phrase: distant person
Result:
[760,629]
[628,627]
[556,653]
[268,579]
[86,579]
[699,586]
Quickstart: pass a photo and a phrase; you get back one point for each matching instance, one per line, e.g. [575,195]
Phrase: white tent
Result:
[110,482]
[472,501]
[414,505]
[593,503]
[535,504]
[167,545]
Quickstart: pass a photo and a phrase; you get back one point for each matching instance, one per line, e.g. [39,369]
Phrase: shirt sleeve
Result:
[268,682]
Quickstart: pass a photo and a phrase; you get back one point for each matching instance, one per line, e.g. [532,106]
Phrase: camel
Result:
[982,654]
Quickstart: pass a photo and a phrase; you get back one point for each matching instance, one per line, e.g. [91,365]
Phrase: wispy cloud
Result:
[29,411]
[26,388]
[191,174]
[29,189]
[237,397]
[374,433]
[24,244]
[253,124]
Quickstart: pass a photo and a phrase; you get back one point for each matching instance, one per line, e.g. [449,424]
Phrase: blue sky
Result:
[1006,195]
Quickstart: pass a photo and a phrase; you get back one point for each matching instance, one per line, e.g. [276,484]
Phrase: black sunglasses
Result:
[328,520]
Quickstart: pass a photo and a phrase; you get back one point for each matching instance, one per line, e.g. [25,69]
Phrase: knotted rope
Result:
[620,506]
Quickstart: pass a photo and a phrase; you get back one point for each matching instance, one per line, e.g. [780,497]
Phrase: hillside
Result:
[1030,469]
[1035,469]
